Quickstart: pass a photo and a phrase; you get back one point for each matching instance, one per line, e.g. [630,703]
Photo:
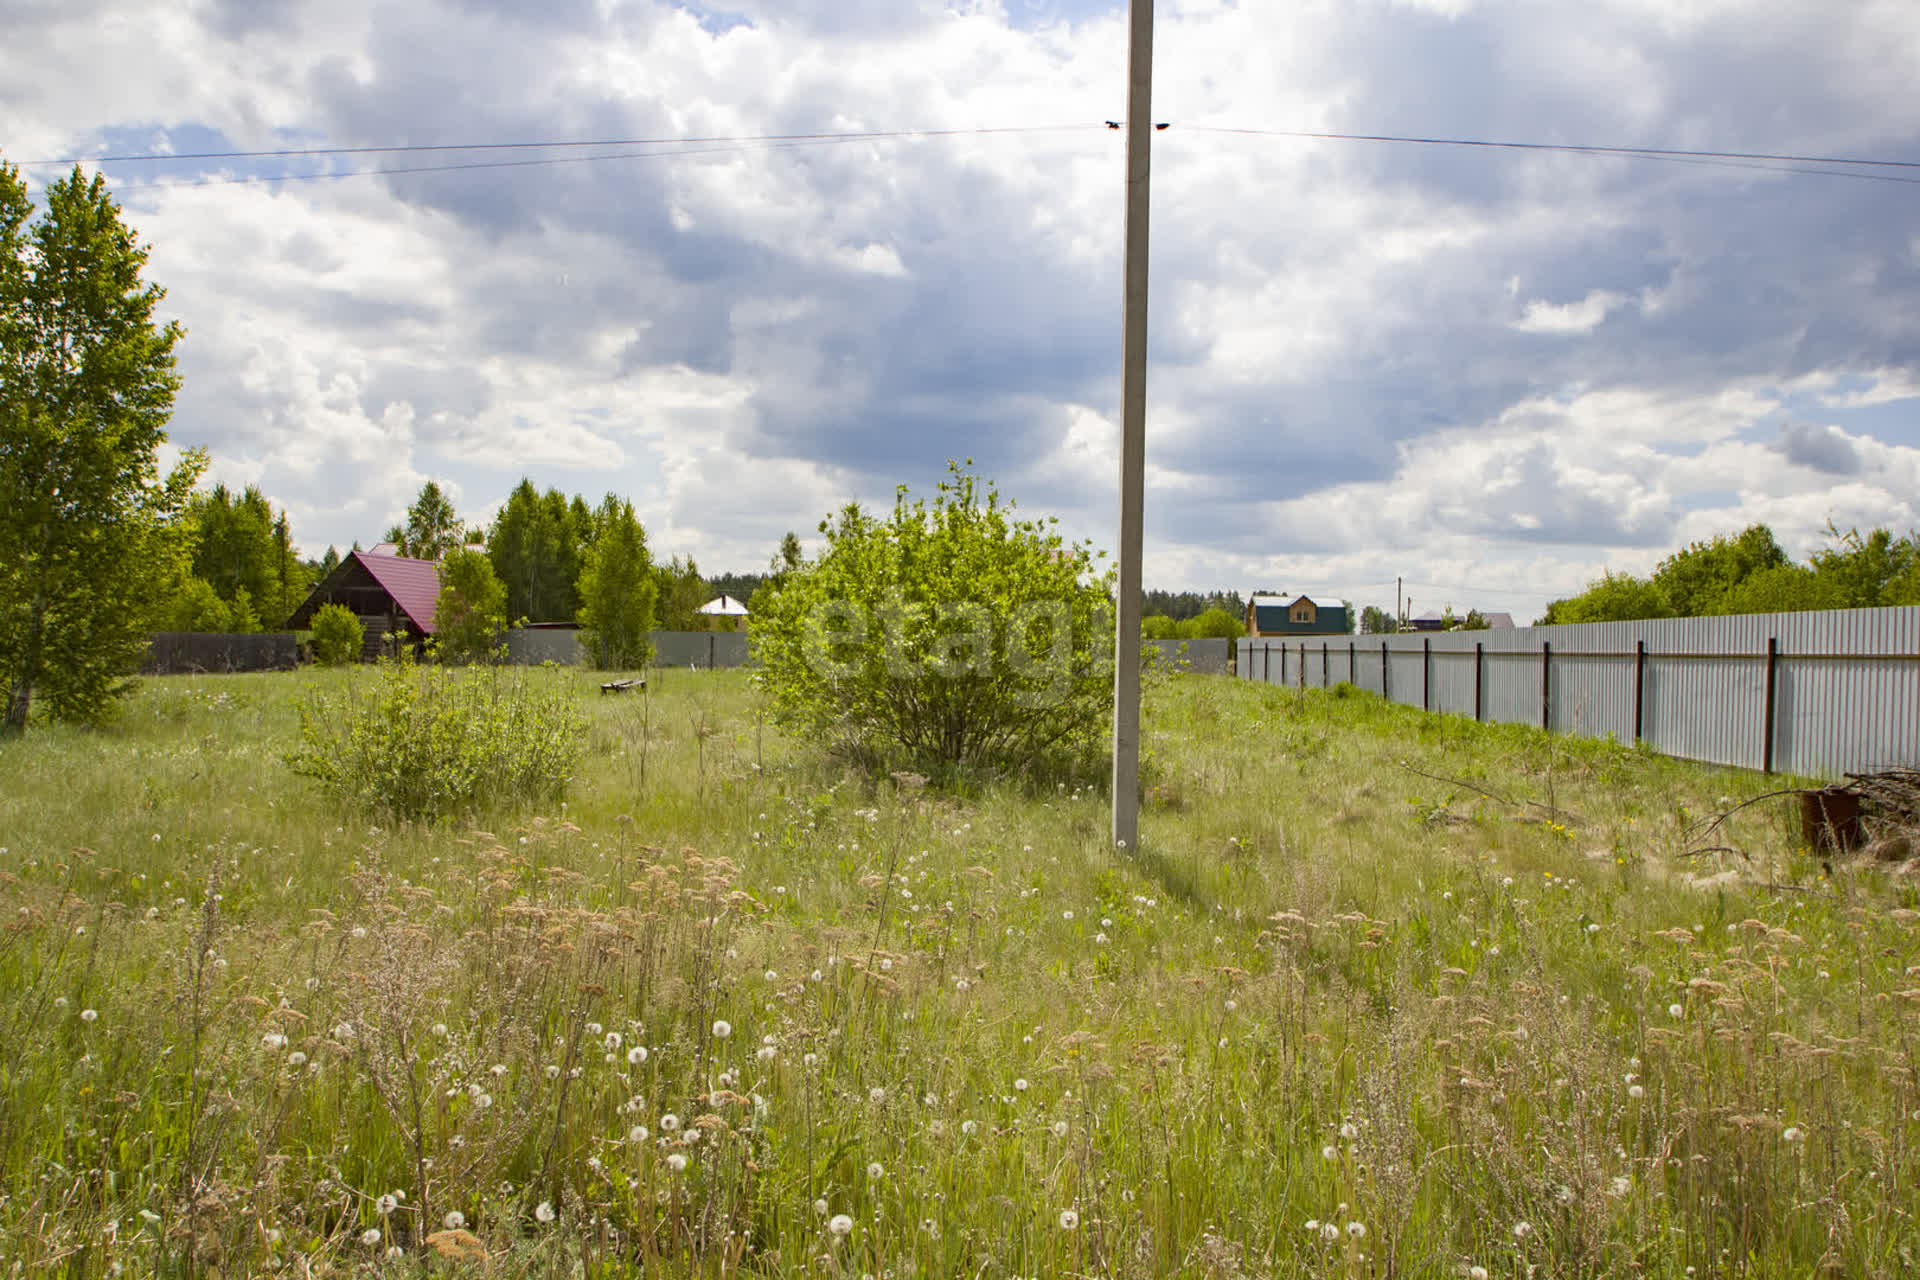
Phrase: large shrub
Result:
[942,636]
[618,591]
[337,635]
[430,742]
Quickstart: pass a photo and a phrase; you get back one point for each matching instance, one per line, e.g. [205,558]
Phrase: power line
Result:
[1559,146]
[286,153]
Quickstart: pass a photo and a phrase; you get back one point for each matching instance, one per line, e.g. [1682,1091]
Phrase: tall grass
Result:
[1334,1017]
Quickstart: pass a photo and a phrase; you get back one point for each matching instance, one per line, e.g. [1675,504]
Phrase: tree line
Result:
[1749,572]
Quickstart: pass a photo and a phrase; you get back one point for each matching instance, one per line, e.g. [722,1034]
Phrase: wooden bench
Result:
[621,686]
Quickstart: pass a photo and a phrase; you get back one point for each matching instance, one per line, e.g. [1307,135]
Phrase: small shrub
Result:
[337,635]
[431,742]
[944,636]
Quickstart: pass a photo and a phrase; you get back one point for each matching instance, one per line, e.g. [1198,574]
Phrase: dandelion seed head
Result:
[385,1205]
[722,1029]
[969,1127]
[669,1122]
[1348,1132]
[370,1237]
[296,1059]
[876,1171]
[820,1208]
[1476,1273]
[1792,1133]
[1069,1220]
[637,1134]
[636,1055]
[677,1162]
[1522,1230]
[454,1220]
[841,1225]
[89,1015]
[1329,1231]
[1020,1085]
[543,1212]
[1358,1230]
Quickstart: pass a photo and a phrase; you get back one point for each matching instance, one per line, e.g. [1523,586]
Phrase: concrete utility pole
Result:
[1133,434]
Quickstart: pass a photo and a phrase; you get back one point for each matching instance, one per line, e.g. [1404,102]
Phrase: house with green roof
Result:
[1299,616]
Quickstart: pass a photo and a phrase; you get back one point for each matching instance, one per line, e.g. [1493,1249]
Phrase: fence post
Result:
[1353,668]
[1773,676]
[1426,673]
[1303,665]
[1479,662]
[1383,669]
[1639,687]
[1325,665]
[1546,685]
[1283,666]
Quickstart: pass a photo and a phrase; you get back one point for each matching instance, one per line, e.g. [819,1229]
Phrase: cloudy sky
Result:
[1493,372]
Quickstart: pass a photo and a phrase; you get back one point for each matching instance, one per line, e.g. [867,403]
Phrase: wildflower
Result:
[1059,1128]
[1358,1230]
[1348,1132]
[1313,1224]
[439,1029]
[296,1059]
[815,976]
[1069,1220]
[841,1225]
[1620,1186]
[876,1094]
[385,1205]
[807,1060]
[1329,1232]
[454,1220]
[677,1162]
[1020,1085]
[722,1029]
[612,1041]
[875,1170]
[1330,1152]
[359,931]
[89,1015]
[370,1237]
[766,1053]
[637,1134]
[1066,915]
[771,976]
[820,1208]
[1792,1134]
[594,1028]
[1100,939]
[1676,1011]
[636,1055]
[1476,1273]
[553,1072]
[1635,1091]
[274,1040]
[59,1002]
[886,964]
[669,1122]
[1521,1230]
[969,1127]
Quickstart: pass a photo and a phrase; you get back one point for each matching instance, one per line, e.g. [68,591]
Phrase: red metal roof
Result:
[413,584]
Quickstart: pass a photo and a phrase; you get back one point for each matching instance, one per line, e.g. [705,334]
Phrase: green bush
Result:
[431,742]
[337,635]
[470,612]
[943,636]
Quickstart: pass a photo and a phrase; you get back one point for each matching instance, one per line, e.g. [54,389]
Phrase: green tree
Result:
[1158,626]
[1694,580]
[1374,620]
[196,606]
[535,544]
[337,635]
[681,593]
[944,635]
[470,611]
[1785,588]
[1611,598]
[1861,569]
[617,591]
[89,531]
[328,563]
[1215,623]
[433,527]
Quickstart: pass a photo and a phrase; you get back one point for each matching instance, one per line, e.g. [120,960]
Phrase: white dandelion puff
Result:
[722,1029]
[1069,1220]
[677,1162]
[454,1220]
[370,1237]
[636,1055]
[543,1212]
[841,1225]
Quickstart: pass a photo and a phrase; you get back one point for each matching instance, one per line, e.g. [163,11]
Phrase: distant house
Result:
[1494,621]
[1431,622]
[389,594]
[1300,616]
[1498,621]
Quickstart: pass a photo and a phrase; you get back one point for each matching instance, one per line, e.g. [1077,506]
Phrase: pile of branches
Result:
[1892,796]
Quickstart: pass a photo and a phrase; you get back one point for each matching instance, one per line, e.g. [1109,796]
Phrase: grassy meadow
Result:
[1381,994]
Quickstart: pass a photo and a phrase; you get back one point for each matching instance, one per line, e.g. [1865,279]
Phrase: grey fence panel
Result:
[179,652]
[1209,656]
[1591,695]
[1452,673]
[531,646]
[703,649]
